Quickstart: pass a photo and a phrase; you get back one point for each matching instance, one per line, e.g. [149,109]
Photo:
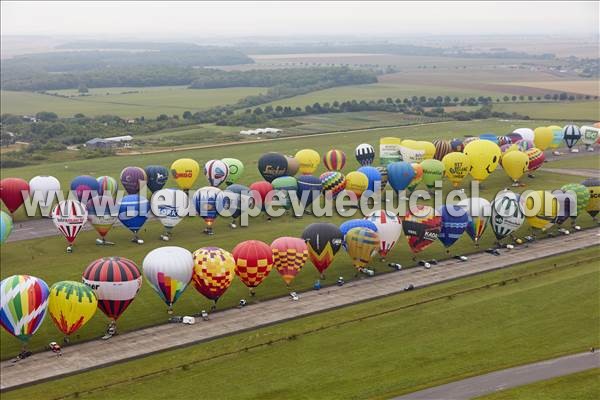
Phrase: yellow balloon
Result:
[427,147]
[457,166]
[543,136]
[515,164]
[357,183]
[71,305]
[411,144]
[484,156]
[185,171]
[309,160]
[546,205]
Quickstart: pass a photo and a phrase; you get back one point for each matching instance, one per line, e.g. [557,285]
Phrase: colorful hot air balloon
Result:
[46,188]
[433,171]
[557,136]
[71,305]
[6,225]
[132,178]
[593,186]
[185,171]
[323,241]
[389,150]
[365,154]
[400,174]
[571,135]
[283,186]
[253,262]
[357,183]
[309,189]
[357,223]
[457,145]
[236,170]
[442,147]
[332,182]
[107,185]
[374,177]
[389,229]
[454,222]
[414,182]
[542,138]
[421,228]
[24,302]
[207,200]
[272,166]
[334,160]
[515,137]
[484,157]
[289,256]
[536,159]
[168,270]
[157,176]
[589,136]
[171,209]
[99,214]
[69,217]
[479,211]
[115,281]
[292,166]
[84,187]
[456,167]
[361,243]
[524,145]
[515,164]
[13,191]
[133,213]
[261,190]
[216,172]
[309,161]
[506,216]
[214,269]
[547,209]
[582,196]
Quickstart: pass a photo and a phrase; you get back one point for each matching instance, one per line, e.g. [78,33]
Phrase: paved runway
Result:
[136,344]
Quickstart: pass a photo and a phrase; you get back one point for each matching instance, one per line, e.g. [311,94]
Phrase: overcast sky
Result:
[160,19]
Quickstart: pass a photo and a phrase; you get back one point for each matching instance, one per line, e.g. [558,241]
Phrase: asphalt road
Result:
[97,353]
[508,378]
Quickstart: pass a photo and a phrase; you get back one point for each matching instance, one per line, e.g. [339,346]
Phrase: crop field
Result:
[125,102]
[588,111]
[402,343]
[587,87]
[47,259]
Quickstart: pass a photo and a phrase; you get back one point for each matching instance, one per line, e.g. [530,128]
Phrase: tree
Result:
[187,115]
[82,88]
[505,98]
[46,116]
[514,98]
[529,98]
[162,117]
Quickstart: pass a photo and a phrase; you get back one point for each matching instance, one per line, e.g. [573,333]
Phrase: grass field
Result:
[376,349]
[148,101]
[570,111]
[584,161]
[582,385]
[588,87]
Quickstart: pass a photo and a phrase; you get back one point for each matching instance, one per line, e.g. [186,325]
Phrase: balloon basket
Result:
[69,249]
[232,225]
[252,292]
[103,242]
[137,240]
[165,238]
[209,231]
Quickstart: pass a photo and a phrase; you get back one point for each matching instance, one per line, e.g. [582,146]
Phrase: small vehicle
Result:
[425,264]
[188,320]
[433,262]
[243,303]
[395,266]
[204,315]
[176,320]
[55,347]
[294,296]
[509,246]
[368,272]
[409,287]
[340,281]
[317,285]
[493,252]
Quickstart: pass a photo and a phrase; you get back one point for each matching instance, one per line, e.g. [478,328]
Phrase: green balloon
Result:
[236,170]
[433,170]
[286,184]
[583,196]
[5,226]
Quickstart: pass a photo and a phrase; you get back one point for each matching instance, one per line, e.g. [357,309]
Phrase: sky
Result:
[239,19]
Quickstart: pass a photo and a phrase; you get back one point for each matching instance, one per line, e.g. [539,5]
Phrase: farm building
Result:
[104,143]
[261,131]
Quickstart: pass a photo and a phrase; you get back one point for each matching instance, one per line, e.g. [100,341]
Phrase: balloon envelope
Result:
[272,166]
[323,241]
[442,147]
[71,305]
[45,186]
[361,243]
[453,224]
[185,171]
[99,213]
[107,185]
[484,157]
[261,189]
[24,305]
[84,187]
[333,182]
[214,269]
[357,183]
[571,135]
[479,211]
[309,189]
[13,191]
[456,167]
[515,164]
[365,154]
[433,171]
[157,176]
[543,136]
[421,228]
[216,172]
[582,195]
[133,212]
[389,229]
[536,158]
[207,200]
[168,270]
[289,256]
[69,217]
[6,225]
[132,178]
[374,178]
[593,187]
[172,207]
[334,160]
[236,170]
[309,161]
[507,215]
[253,262]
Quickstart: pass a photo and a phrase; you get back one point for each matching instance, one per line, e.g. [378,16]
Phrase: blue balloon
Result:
[84,185]
[157,177]
[133,212]
[454,223]
[311,185]
[400,173]
[239,192]
[373,175]
[489,136]
[206,202]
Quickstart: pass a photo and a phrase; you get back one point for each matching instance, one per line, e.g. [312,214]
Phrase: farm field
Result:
[148,102]
[586,87]
[588,111]
[470,326]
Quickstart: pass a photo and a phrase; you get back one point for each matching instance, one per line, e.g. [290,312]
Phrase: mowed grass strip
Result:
[376,349]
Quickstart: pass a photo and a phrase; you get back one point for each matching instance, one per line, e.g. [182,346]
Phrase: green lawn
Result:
[576,111]
[376,349]
[583,161]
[582,385]
[148,101]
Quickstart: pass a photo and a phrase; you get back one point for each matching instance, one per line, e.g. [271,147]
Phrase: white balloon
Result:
[168,270]
[69,217]
[170,206]
[526,133]
[389,229]
[44,186]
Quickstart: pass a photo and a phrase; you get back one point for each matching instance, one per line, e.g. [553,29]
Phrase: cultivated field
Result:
[587,87]
[566,111]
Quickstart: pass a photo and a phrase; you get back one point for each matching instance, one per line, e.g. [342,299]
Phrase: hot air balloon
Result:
[236,170]
[289,256]
[46,188]
[414,182]
[5,226]
[133,213]
[484,157]
[283,186]
[100,216]
[235,198]
[24,302]
[214,269]
[507,215]
[542,138]
[421,228]
[157,176]
[365,154]
[515,137]
[442,147]
[400,174]
[357,183]
[84,187]
[361,243]
[309,189]
[207,201]
[411,155]
[292,166]
[489,136]
[524,145]
[170,206]
[557,136]
[334,160]
[168,270]
[185,171]
[571,135]
[132,178]
[536,159]
[470,139]
[427,147]
[69,217]
[216,172]
[389,150]
[115,281]
[457,145]
[272,166]
[389,229]
[479,211]
[71,305]
[547,209]
[582,195]
[454,222]
[332,182]
[107,185]
[374,177]
[515,164]
[384,176]
[262,190]
[503,140]
[589,136]
[566,206]
[456,167]
[253,262]
[13,191]
[357,223]
[309,161]
[525,133]
[433,171]
[593,186]
[323,241]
